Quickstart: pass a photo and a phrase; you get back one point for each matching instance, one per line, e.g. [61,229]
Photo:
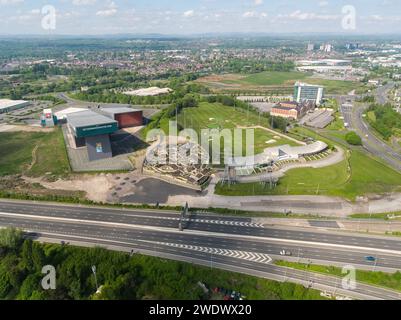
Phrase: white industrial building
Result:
[7,105]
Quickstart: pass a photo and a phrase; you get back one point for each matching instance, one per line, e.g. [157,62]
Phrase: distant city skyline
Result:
[97,17]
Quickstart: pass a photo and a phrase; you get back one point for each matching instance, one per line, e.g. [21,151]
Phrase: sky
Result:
[97,17]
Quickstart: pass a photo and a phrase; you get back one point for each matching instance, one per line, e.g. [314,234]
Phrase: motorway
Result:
[235,244]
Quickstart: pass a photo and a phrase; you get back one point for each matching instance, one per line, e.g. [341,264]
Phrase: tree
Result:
[5,285]
[353,139]
[10,238]
[189,101]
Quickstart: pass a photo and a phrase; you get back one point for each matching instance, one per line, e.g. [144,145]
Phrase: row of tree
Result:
[387,121]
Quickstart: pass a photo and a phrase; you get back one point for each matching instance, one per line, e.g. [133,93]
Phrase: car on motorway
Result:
[285,253]
[370,258]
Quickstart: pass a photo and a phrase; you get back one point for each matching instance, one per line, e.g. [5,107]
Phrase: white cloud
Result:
[323,3]
[254,14]
[107,13]
[6,2]
[111,10]
[189,13]
[258,2]
[83,2]
[250,14]
[299,15]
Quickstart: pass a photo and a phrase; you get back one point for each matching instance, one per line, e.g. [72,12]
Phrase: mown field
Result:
[270,78]
[282,82]
[360,175]
[33,153]
[218,116]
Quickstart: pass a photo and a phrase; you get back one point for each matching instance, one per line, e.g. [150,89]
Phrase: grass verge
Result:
[376,278]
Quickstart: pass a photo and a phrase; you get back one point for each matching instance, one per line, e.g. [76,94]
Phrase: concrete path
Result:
[332,159]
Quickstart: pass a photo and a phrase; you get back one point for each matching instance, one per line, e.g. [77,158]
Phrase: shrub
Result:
[353,139]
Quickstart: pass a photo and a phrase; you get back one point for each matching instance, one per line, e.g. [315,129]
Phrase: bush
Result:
[353,139]
[10,238]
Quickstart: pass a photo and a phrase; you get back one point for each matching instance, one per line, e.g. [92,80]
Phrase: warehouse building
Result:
[292,110]
[7,105]
[92,130]
[126,117]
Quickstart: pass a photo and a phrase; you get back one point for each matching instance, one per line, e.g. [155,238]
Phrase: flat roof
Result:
[279,107]
[87,118]
[119,110]
[7,103]
[62,114]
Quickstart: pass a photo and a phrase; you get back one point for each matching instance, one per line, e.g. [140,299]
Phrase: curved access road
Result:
[370,141]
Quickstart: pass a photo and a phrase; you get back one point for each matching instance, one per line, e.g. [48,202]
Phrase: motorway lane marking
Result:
[201,233]
[263,274]
[206,221]
[243,255]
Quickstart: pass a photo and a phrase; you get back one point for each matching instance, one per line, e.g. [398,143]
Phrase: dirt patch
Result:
[20,185]
[22,128]
[96,187]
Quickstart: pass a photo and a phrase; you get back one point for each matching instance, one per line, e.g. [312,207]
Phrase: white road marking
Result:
[243,255]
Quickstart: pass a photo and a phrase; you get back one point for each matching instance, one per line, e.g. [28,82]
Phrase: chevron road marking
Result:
[244,255]
[209,221]
[48,219]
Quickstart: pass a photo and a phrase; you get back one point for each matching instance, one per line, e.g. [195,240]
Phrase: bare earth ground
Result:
[96,187]
[23,128]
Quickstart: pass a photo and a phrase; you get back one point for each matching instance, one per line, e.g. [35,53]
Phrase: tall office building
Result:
[308,92]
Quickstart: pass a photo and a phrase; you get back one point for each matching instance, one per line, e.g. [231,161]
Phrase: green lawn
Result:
[218,116]
[271,78]
[367,176]
[377,278]
[275,79]
[16,153]
[377,216]
[336,86]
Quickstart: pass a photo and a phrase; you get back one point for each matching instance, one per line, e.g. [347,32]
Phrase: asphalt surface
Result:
[195,222]
[269,271]
[370,141]
[224,242]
